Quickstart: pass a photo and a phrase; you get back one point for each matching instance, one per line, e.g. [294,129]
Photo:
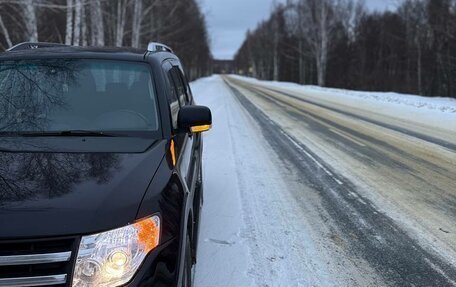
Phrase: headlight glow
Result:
[112,258]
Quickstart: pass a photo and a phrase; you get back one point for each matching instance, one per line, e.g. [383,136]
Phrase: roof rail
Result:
[32,45]
[158,47]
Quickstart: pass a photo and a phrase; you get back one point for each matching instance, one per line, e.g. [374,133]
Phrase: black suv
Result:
[100,167]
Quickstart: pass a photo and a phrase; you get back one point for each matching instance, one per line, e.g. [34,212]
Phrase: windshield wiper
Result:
[69,133]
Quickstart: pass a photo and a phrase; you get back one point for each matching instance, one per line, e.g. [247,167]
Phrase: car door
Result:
[183,141]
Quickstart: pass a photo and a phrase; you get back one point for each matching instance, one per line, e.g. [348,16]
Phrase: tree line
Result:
[339,43]
[132,23]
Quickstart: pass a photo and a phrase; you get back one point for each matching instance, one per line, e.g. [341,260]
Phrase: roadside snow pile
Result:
[445,105]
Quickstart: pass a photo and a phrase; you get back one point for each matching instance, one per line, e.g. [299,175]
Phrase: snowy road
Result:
[302,190]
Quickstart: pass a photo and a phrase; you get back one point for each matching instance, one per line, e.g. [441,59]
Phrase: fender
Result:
[187,211]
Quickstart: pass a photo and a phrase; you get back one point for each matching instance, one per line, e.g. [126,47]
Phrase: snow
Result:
[260,225]
[444,105]
[401,109]
[254,231]
[245,220]
[221,251]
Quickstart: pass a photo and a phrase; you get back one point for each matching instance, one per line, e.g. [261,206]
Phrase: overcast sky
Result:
[229,20]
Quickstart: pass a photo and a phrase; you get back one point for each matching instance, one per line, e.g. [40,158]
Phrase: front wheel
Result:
[187,276]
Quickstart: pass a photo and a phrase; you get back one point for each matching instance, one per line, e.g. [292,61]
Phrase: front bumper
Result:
[160,268]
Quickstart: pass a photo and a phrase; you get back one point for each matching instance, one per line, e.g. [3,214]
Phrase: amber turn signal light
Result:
[200,129]
[172,150]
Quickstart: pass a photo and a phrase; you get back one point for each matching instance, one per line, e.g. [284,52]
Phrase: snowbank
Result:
[444,105]
[428,116]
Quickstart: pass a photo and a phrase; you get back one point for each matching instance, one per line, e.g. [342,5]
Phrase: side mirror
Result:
[195,119]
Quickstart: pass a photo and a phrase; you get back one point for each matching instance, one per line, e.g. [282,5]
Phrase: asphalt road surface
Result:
[384,190]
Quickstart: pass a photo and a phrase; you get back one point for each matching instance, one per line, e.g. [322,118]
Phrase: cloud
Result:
[229,20]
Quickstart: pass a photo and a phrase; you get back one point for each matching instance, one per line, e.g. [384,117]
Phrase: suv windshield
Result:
[53,95]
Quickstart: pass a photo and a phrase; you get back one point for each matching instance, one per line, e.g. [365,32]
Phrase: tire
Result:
[187,276]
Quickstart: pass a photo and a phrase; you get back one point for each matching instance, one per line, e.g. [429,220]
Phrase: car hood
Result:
[45,194]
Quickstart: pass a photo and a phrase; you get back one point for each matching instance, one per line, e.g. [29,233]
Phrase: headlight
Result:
[112,258]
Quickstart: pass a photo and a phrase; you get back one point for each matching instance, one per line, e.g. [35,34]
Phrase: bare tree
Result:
[136,23]
[78,19]
[413,13]
[96,23]
[83,26]
[297,27]
[5,33]
[320,18]
[120,21]
[338,43]
[30,19]
[178,23]
[275,46]
[69,22]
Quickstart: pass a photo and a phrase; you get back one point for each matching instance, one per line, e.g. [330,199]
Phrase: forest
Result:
[131,23]
[340,43]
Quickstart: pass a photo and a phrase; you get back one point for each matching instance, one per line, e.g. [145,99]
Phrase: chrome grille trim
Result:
[35,259]
[34,281]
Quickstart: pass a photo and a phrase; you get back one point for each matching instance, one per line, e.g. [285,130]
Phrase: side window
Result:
[188,97]
[181,86]
[173,99]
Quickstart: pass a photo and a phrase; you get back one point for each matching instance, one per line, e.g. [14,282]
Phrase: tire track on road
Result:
[410,168]
[368,234]
[448,145]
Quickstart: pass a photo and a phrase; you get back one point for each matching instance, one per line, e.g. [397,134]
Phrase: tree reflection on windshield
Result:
[76,94]
[30,90]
